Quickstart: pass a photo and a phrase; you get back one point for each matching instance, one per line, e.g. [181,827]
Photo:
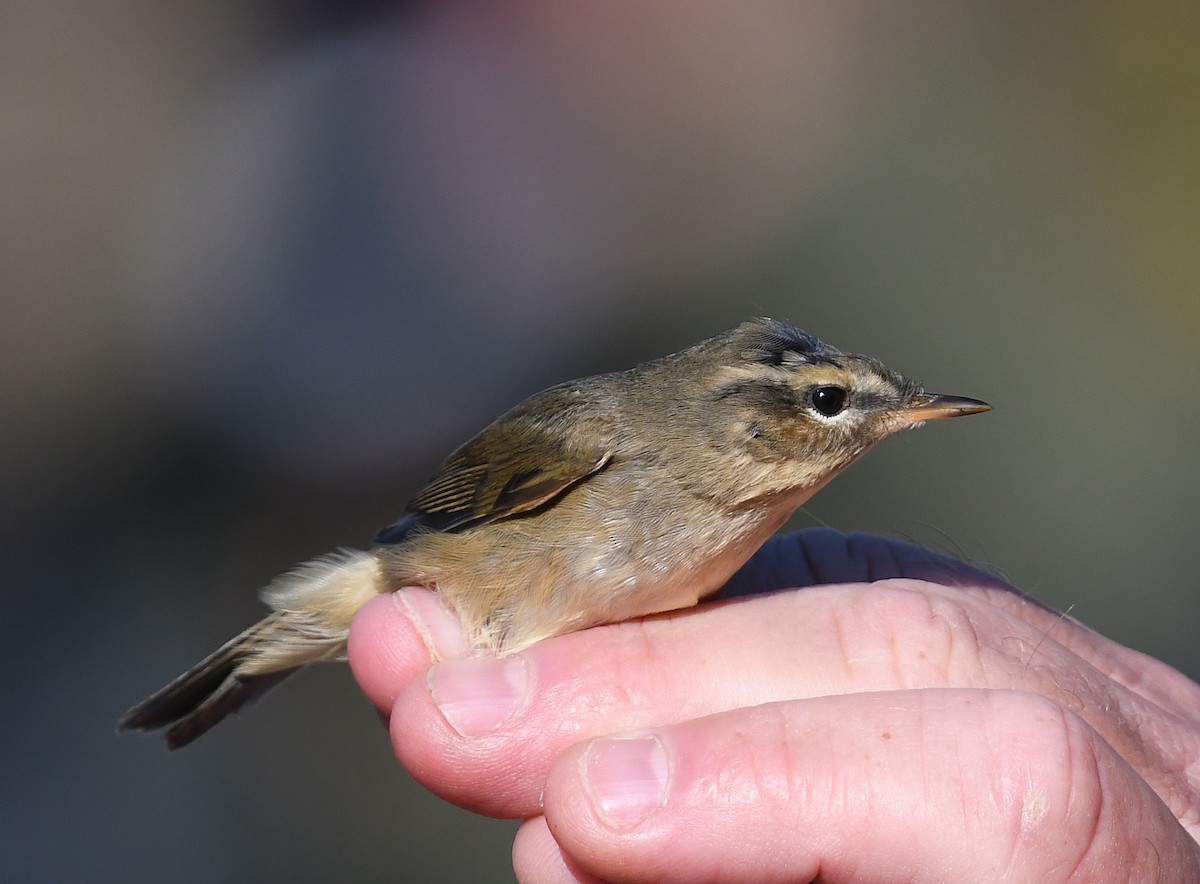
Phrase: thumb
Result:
[951,785]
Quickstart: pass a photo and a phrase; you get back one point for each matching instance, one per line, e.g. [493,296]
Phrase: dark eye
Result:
[829,400]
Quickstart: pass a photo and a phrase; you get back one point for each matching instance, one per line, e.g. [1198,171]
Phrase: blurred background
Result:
[263,265]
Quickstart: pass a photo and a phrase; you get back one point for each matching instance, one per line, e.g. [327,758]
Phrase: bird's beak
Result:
[933,406]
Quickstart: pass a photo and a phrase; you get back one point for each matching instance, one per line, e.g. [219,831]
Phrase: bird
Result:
[594,501]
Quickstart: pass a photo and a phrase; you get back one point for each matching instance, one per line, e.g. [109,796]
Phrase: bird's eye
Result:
[829,401]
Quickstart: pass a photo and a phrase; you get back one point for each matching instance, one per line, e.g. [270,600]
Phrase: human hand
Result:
[941,728]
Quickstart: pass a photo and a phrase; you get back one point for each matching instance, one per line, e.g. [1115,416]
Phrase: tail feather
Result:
[230,695]
[214,688]
[187,691]
[316,604]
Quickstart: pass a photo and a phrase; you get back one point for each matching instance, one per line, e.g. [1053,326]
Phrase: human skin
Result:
[931,725]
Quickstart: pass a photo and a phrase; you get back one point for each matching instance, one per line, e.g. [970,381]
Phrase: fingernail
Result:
[480,694]
[439,629]
[627,779]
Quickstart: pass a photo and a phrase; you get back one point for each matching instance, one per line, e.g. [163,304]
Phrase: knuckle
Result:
[926,639]
[1048,784]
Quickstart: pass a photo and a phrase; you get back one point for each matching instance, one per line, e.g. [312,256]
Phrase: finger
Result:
[1152,679]
[537,858]
[916,785]
[821,555]
[396,637]
[483,732]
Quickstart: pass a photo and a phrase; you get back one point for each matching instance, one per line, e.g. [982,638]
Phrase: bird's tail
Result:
[313,608]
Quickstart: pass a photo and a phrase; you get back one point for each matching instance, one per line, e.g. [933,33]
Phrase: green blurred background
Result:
[261,266]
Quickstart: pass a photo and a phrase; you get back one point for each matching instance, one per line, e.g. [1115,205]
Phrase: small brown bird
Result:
[594,501]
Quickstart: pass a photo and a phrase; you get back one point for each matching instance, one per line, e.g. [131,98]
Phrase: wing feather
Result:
[523,461]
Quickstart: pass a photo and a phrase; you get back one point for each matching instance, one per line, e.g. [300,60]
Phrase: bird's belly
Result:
[511,585]
[662,568]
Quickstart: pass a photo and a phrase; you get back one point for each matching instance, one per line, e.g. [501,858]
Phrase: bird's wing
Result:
[514,466]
